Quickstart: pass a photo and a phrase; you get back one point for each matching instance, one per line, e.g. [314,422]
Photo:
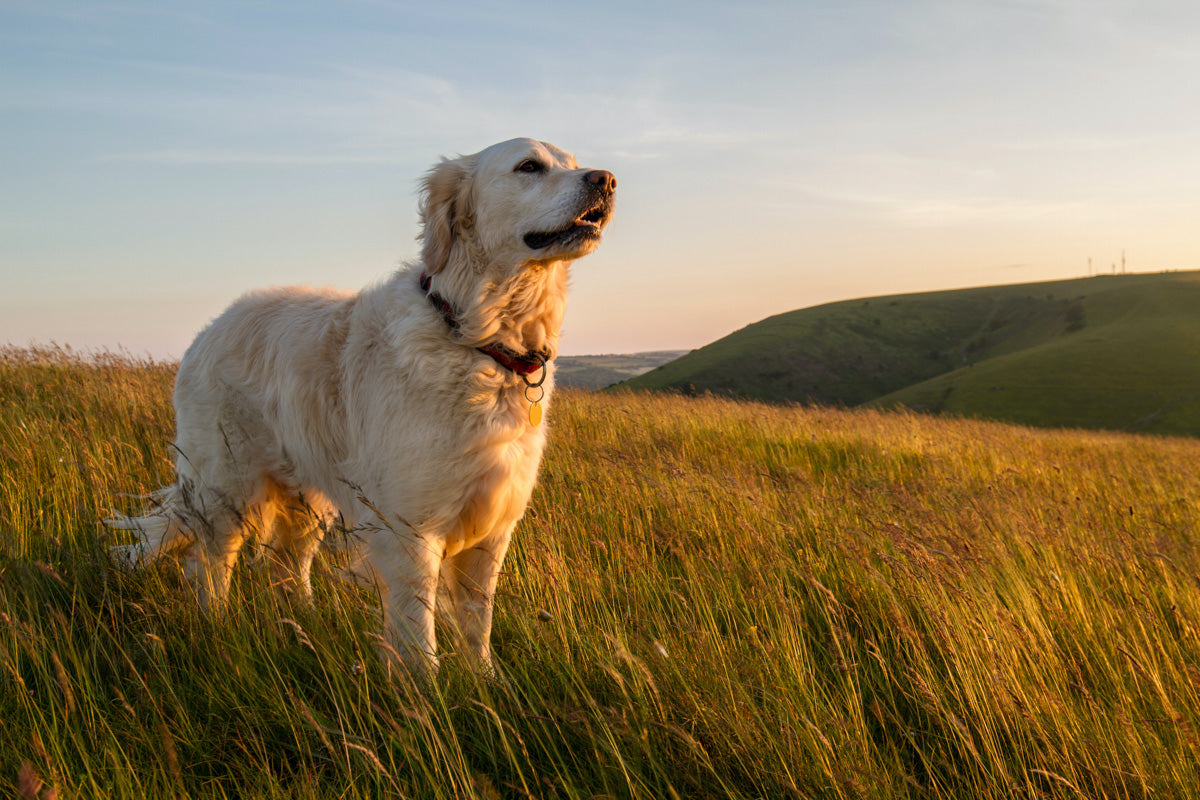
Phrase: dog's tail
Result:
[159,529]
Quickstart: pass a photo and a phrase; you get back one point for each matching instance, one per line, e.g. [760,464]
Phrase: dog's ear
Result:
[447,210]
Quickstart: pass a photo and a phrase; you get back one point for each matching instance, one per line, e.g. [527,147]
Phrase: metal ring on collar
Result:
[542,361]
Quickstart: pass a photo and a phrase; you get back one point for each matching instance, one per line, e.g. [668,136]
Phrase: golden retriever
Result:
[409,413]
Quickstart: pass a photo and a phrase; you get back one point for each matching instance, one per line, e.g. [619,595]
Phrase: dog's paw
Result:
[130,556]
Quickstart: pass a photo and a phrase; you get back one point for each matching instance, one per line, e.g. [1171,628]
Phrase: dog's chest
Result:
[499,482]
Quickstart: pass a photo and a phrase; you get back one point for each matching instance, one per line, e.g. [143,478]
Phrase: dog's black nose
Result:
[602,179]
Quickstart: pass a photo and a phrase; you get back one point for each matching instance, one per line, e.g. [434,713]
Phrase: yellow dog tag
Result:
[535,403]
[534,393]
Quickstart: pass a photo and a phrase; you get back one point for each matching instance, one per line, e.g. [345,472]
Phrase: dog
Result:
[408,414]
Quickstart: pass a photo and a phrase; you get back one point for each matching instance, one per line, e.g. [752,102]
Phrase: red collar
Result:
[522,364]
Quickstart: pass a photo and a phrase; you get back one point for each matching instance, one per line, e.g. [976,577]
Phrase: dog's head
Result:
[516,203]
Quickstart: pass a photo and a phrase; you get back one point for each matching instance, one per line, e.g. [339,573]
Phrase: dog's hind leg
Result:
[200,527]
[217,497]
[297,527]
[220,528]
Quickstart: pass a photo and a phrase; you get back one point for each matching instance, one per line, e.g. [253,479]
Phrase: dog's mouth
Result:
[587,225]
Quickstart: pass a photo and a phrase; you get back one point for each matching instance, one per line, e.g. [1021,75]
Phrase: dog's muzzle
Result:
[598,210]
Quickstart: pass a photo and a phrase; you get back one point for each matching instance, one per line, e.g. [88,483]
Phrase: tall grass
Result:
[706,599]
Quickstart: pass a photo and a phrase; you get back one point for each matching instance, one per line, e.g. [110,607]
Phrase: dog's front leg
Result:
[471,578]
[405,564]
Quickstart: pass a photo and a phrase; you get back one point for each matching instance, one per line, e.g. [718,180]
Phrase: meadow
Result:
[707,598]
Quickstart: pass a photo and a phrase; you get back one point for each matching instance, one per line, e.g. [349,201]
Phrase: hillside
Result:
[597,372]
[706,599]
[1118,352]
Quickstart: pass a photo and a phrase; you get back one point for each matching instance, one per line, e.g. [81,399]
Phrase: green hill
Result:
[1117,352]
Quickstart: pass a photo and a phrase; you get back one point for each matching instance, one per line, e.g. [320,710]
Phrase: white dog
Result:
[409,413]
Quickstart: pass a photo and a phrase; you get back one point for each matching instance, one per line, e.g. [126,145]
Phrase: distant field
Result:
[597,372]
[1118,352]
[707,598]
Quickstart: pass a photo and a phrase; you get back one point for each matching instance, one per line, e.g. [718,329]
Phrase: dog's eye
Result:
[530,165]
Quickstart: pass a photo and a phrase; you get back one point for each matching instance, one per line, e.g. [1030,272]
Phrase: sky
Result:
[158,159]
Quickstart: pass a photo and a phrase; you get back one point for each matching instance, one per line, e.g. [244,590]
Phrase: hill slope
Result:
[1107,352]
[596,372]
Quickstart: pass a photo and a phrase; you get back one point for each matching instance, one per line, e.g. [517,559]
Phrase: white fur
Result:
[298,409]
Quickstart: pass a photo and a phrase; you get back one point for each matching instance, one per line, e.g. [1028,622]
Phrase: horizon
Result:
[157,163]
[119,350]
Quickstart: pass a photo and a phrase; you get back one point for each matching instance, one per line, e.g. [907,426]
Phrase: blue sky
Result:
[157,159]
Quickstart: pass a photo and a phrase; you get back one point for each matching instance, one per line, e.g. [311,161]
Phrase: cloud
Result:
[217,157]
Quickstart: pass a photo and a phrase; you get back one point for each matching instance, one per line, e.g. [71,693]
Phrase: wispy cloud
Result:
[212,157]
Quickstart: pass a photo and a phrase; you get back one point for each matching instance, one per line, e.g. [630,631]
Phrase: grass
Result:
[1116,352]
[706,599]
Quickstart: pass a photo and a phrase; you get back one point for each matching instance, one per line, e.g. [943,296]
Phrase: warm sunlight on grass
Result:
[707,598]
